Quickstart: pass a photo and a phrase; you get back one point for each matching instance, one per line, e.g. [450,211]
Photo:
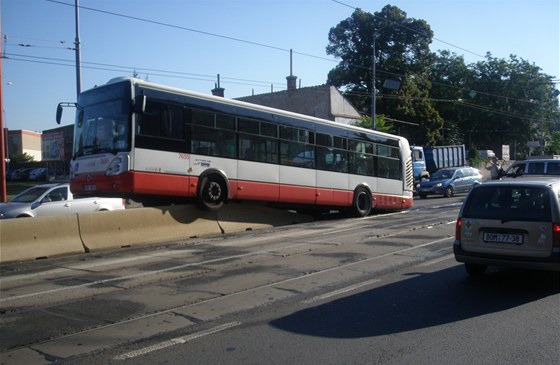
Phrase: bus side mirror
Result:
[140,104]
[60,107]
[58,113]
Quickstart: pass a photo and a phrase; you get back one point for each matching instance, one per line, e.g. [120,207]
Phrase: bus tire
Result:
[212,193]
[362,203]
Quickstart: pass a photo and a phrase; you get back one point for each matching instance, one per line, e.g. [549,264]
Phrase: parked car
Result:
[38,174]
[449,181]
[10,174]
[510,223]
[533,167]
[54,199]
[21,174]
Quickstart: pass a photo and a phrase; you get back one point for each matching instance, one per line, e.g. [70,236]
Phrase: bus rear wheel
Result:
[362,203]
[212,193]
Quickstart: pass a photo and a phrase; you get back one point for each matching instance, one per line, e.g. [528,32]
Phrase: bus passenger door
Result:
[298,185]
[258,169]
[298,177]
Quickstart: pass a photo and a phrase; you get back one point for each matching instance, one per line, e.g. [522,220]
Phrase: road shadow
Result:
[421,301]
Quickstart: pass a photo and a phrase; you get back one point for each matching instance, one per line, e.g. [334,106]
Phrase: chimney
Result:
[217,90]
[291,79]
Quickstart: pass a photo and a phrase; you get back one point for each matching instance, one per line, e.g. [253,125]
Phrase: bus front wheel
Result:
[212,193]
[363,203]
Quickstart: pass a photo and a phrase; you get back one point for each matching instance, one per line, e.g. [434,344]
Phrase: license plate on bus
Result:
[90,187]
[503,238]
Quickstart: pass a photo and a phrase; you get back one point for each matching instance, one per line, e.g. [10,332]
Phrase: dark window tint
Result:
[508,203]
[162,120]
[553,168]
[536,168]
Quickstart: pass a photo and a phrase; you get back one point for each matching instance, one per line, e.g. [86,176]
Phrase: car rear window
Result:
[509,203]
[553,168]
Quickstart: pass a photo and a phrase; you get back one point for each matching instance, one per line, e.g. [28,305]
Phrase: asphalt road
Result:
[378,290]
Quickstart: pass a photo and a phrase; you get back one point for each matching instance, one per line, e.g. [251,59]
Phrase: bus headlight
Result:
[118,166]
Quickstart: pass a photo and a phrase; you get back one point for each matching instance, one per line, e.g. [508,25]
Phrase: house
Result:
[50,145]
[322,101]
[23,141]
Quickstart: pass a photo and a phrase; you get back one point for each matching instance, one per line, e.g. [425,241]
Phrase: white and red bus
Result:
[137,139]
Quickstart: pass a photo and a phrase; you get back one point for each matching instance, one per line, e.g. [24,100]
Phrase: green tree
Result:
[402,54]
[21,158]
[381,124]
[492,102]
[449,76]
[500,102]
[553,147]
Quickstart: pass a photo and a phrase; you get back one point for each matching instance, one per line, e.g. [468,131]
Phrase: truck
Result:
[54,199]
[427,160]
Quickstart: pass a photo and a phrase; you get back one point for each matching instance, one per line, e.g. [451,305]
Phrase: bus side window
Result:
[172,122]
[162,120]
[149,122]
[360,157]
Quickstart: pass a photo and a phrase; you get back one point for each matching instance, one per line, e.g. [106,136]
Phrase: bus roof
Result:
[244,104]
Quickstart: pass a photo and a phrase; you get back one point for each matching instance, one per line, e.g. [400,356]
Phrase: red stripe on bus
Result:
[163,184]
[90,183]
[391,202]
[186,186]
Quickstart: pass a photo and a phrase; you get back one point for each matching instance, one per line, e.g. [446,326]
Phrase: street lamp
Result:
[373,61]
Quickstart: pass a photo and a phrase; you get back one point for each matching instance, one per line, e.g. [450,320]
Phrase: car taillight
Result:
[556,235]
[458,228]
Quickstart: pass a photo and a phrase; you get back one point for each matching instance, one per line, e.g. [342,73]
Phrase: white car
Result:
[54,199]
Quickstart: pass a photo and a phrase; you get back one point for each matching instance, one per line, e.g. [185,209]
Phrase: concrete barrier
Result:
[106,230]
[27,239]
[237,217]
[32,238]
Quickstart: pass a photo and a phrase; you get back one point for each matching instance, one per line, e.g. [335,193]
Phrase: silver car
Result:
[54,199]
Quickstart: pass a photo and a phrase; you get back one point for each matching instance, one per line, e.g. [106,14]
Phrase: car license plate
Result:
[503,238]
[90,187]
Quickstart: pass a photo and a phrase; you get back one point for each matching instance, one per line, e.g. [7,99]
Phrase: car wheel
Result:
[423,196]
[475,270]
[448,192]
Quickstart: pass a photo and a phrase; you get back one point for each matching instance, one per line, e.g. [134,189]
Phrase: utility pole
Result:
[77,47]
[3,143]
[373,92]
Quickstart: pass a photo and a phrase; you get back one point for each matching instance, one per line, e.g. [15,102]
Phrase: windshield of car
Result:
[443,174]
[103,121]
[29,195]
[515,170]
[508,203]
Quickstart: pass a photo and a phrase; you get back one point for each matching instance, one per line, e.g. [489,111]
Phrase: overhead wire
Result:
[150,71]
[240,81]
[257,43]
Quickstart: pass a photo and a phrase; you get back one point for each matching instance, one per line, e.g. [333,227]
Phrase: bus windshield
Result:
[103,120]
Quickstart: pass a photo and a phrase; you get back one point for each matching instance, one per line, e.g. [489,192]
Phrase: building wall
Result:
[22,141]
[57,143]
[322,101]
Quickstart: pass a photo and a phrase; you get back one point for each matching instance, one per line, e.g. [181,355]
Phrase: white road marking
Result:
[175,341]
[341,291]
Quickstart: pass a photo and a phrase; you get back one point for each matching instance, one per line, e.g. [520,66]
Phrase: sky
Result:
[188,43]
